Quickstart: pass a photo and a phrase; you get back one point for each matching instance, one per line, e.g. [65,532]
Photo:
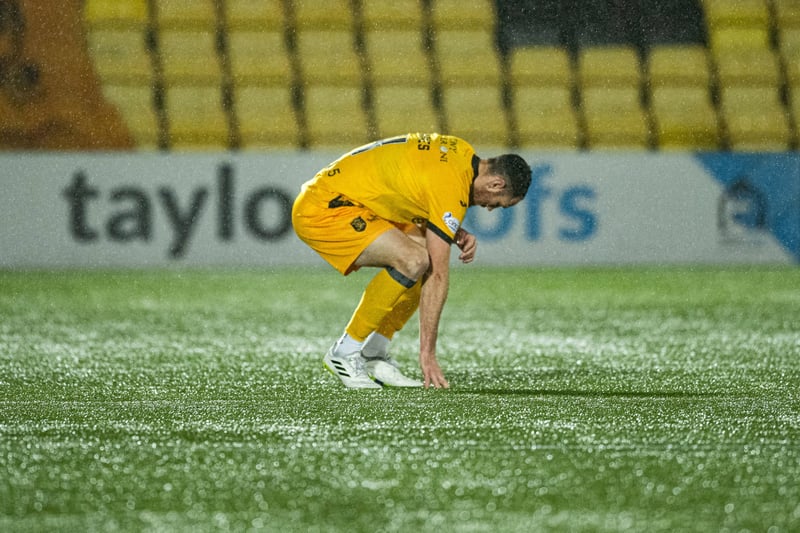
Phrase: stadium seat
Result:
[614,118]
[476,114]
[790,51]
[186,14]
[395,15]
[335,116]
[190,57]
[609,66]
[197,119]
[757,66]
[759,132]
[468,57]
[266,117]
[323,15]
[743,99]
[115,14]
[120,56]
[259,58]
[328,57]
[135,104]
[397,58]
[678,65]
[684,118]
[735,38]
[794,106]
[401,110]
[545,117]
[256,15]
[755,119]
[747,13]
[539,66]
[460,15]
[787,14]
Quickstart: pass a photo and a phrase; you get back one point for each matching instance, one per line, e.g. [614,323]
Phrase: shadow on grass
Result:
[582,393]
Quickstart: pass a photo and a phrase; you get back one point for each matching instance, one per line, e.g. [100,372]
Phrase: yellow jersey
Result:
[420,178]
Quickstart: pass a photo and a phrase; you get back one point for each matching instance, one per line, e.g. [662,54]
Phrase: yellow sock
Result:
[402,311]
[377,302]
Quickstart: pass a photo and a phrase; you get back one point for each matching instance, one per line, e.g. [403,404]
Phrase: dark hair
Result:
[514,170]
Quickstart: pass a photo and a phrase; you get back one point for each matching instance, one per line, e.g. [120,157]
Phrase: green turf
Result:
[582,400]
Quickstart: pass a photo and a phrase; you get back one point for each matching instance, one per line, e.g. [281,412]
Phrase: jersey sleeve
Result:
[448,203]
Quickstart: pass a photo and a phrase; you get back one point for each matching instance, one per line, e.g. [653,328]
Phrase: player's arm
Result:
[434,295]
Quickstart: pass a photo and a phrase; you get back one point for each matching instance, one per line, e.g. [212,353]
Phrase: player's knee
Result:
[415,264]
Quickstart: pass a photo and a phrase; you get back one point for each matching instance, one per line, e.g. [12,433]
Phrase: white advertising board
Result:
[156,210]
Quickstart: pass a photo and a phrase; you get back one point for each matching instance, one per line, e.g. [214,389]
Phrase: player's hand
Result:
[468,245]
[432,374]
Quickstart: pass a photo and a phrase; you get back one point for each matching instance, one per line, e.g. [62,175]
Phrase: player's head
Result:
[514,170]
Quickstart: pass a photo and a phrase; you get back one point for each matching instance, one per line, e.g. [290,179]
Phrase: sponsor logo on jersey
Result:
[451,222]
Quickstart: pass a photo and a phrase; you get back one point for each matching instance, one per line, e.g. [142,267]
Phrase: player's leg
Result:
[403,310]
[404,261]
[375,350]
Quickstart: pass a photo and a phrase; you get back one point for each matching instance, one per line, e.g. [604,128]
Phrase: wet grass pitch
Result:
[613,399]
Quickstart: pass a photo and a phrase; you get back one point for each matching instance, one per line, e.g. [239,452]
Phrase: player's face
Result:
[504,201]
[493,198]
[490,192]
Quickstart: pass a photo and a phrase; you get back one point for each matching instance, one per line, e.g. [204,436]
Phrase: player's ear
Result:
[497,184]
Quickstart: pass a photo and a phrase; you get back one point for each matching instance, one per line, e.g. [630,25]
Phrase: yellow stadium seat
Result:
[755,119]
[397,58]
[186,14]
[335,117]
[468,58]
[401,110]
[120,56]
[787,13]
[795,106]
[748,13]
[266,117]
[461,15]
[477,115]
[260,15]
[190,57]
[684,118]
[757,66]
[135,104]
[115,14]
[545,117]
[614,118]
[678,65]
[328,58]
[540,65]
[259,58]
[323,15]
[736,38]
[609,66]
[197,119]
[395,15]
[759,132]
[790,50]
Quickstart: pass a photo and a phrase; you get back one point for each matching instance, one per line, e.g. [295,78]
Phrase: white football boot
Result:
[386,371]
[350,369]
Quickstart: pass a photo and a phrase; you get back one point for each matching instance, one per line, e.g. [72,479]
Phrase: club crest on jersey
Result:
[358,224]
[451,222]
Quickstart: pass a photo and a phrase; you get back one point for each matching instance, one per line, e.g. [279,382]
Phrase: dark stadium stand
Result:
[572,74]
